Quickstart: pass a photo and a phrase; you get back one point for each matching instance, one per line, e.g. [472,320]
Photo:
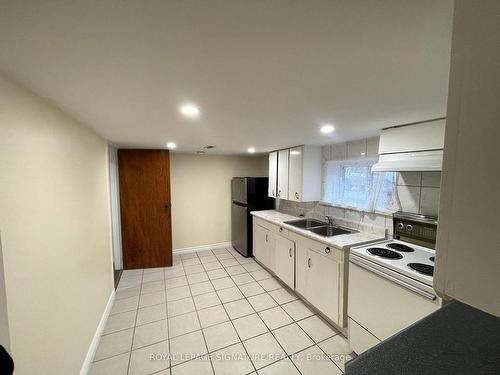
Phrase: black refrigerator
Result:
[247,194]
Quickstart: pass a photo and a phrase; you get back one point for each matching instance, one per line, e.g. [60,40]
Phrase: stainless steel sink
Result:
[331,230]
[306,223]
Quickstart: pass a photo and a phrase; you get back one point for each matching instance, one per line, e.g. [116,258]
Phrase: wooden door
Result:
[284,259]
[144,177]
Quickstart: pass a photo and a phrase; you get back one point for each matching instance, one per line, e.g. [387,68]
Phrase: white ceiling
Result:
[265,73]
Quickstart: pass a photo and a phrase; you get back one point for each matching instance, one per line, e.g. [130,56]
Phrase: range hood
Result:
[412,147]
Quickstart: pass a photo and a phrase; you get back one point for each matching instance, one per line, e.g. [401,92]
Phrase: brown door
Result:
[145,208]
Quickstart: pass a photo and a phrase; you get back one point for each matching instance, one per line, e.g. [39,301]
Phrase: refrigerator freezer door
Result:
[239,228]
[239,189]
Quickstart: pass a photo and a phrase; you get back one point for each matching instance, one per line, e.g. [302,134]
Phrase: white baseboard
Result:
[185,250]
[97,336]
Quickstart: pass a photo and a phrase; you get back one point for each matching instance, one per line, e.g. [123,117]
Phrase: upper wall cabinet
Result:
[304,176]
[273,173]
[283,158]
[298,174]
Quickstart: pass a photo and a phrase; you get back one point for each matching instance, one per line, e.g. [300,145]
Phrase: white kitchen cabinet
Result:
[284,260]
[301,268]
[259,242]
[273,174]
[264,245]
[283,156]
[319,277]
[315,270]
[295,174]
[323,284]
[304,177]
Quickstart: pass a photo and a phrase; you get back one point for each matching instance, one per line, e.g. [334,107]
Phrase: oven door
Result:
[384,302]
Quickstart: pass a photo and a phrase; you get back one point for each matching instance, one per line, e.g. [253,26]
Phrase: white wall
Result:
[468,243]
[201,195]
[55,227]
[4,314]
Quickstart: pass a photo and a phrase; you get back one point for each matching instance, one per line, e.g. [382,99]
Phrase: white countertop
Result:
[342,241]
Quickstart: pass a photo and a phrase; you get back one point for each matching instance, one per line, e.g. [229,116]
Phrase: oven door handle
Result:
[395,280]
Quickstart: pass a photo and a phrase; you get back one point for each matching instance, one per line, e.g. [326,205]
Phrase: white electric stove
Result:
[413,261]
[390,282]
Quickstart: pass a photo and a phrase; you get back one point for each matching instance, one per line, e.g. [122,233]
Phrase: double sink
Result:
[319,227]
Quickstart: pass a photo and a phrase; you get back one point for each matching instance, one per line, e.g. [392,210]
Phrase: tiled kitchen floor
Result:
[214,312]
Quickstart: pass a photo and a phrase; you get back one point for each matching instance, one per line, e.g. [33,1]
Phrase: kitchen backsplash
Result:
[367,222]
[418,192]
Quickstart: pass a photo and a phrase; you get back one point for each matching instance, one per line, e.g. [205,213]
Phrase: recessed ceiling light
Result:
[171,145]
[251,150]
[327,128]
[189,110]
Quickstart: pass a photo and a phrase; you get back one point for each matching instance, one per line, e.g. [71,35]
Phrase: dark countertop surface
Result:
[457,339]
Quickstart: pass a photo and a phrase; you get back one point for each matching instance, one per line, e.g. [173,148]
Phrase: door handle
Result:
[309,263]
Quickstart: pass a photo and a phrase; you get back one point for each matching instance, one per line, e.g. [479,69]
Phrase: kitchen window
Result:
[352,184]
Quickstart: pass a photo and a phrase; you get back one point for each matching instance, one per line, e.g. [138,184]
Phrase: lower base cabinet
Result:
[322,284]
[264,245]
[313,269]
[284,260]
[319,277]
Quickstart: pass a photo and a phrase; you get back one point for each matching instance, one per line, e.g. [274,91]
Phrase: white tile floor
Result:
[214,312]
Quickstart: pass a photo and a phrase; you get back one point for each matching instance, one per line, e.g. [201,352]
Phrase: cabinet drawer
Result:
[263,223]
[326,250]
[281,231]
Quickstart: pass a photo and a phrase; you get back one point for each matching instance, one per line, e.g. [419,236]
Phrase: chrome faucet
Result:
[329,219]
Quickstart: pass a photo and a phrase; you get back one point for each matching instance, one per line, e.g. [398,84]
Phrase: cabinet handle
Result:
[309,263]
[273,193]
[281,229]
[296,195]
[290,252]
[266,237]
[327,250]
[279,193]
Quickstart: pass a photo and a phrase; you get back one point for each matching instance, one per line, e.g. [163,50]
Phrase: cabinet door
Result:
[260,244]
[323,283]
[273,174]
[295,174]
[283,174]
[301,268]
[284,260]
[271,249]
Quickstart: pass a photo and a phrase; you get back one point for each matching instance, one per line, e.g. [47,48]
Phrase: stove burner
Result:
[400,247]
[426,269]
[384,253]
[431,259]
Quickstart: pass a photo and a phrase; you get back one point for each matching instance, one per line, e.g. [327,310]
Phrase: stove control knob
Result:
[401,226]
[409,227]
